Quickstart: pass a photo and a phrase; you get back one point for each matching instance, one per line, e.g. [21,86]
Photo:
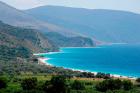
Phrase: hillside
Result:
[63,41]
[19,42]
[15,17]
[104,25]
[27,41]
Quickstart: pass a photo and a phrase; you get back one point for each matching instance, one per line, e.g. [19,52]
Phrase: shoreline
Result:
[43,61]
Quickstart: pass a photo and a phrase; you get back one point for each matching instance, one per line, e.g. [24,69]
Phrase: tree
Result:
[127,85]
[48,87]
[100,75]
[103,75]
[117,84]
[114,84]
[138,80]
[77,85]
[109,84]
[29,83]
[3,82]
[58,84]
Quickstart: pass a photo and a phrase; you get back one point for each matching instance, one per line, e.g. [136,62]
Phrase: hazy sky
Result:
[127,5]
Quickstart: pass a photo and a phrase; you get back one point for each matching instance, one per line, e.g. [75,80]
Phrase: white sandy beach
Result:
[37,54]
[43,61]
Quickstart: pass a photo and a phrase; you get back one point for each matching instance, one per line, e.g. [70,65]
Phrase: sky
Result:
[125,5]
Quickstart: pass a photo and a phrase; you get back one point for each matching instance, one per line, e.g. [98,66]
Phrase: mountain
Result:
[16,42]
[103,25]
[15,17]
[62,41]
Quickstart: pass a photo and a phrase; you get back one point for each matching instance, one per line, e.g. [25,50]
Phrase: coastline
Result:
[43,61]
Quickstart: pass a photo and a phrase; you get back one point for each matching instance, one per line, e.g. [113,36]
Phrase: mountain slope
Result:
[62,41]
[19,42]
[105,25]
[17,17]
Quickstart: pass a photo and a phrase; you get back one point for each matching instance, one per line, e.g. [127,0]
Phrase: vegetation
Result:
[19,68]
[61,84]
[103,75]
[114,84]
[3,82]
[21,43]
[63,41]
[138,80]
[127,85]
[29,83]
[77,85]
[18,52]
[56,85]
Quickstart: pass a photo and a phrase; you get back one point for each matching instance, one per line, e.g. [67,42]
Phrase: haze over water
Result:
[121,59]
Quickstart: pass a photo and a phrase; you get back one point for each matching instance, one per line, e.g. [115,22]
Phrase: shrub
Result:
[114,84]
[29,83]
[127,84]
[56,85]
[100,75]
[103,75]
[48,87]
[59,84]
[102,86]
[109,84]
[138,80]
[117,84]
[77,85]
[3,82]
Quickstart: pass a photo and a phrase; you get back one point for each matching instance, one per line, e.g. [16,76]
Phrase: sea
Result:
[119,59]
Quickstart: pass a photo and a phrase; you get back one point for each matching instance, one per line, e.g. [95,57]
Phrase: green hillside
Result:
[63,41]
[18,42]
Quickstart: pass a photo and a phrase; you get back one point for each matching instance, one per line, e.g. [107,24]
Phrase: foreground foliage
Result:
[114,84]
[61,84]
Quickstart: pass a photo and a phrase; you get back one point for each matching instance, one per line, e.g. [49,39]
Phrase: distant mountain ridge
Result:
[15,17]
[104,25]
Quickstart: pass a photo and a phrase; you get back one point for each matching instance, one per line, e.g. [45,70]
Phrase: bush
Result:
[77,85]
[56,85]
[29,83]
[48,87]
[138,80]
[127,85]
[3,82]
[117,84]
[114,84]
[103,75]
[59,84]
[87,75]
[102,86]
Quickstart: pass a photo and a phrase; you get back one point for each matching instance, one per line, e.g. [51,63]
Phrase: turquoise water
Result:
[115,59]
